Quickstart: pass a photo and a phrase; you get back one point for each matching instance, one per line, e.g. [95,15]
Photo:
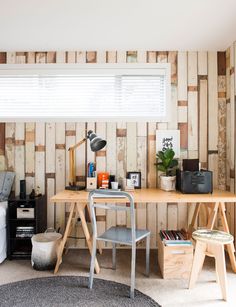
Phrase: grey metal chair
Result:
[117,235]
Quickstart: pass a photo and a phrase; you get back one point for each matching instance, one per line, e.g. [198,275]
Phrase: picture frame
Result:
[136,179]
[168,139]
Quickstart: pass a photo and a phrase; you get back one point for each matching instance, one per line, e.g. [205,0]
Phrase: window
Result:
[84,92]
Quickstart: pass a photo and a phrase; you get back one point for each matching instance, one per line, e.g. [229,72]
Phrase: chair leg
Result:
[113,256]
[221,269]
[198,260]
[92,264]
[147,255]
[133,261]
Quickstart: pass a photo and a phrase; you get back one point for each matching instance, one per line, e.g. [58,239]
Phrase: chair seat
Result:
[212,236]
[122,235]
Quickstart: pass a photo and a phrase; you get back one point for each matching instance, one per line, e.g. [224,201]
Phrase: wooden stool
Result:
[211,243]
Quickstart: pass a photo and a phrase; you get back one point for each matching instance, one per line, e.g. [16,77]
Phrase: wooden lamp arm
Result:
[77,145]
[72,175]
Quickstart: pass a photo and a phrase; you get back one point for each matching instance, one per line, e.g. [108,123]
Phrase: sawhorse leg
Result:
[64,239]
[230,247]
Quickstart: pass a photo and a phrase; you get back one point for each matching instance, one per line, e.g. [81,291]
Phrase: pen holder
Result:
[91,183]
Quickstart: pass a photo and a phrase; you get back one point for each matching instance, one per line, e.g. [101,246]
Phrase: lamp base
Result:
[74,188]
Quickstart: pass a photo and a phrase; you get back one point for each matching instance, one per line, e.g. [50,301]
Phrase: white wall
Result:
[116,25]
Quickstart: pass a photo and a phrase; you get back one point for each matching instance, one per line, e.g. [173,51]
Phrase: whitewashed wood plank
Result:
[11,57]
[182,76]
[101,167]
[80,57]
[29,156]
[60,173]
[121,56]
[203,111]
[202,63]
[111,167]
[111,56]
[101,57]
[172,124]
[19,155]
[121,164]
[71,57]
[40,157]
[10,146]
[182,114]
[212,101]
[50,170]
[60,57]
[131,146]
[152,216]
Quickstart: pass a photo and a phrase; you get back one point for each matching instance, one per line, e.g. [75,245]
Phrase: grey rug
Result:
[71,291]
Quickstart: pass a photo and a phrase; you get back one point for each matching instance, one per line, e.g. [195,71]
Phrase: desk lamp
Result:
[96,144]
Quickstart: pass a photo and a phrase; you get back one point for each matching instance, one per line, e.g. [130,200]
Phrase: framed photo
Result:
[135,178]
[168,139]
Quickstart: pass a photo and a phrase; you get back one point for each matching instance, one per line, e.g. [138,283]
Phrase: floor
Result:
[167,293]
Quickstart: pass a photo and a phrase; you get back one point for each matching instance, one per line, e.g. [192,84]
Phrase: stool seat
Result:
[212,236]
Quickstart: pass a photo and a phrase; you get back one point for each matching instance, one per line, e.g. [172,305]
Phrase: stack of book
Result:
[174,237]
[24,231]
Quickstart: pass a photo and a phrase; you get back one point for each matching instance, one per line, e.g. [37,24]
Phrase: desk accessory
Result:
[197,182]
[167,165]
[135,178]
[96,144]
[22,189]
[103,180]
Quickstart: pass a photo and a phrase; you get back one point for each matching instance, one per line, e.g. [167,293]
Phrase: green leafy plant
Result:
[166,162]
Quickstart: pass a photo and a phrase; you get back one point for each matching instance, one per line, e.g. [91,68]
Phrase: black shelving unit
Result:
[21,247]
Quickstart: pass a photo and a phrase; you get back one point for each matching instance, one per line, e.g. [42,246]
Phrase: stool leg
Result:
[198,261]
[221,269]
[113,256]
[147,255]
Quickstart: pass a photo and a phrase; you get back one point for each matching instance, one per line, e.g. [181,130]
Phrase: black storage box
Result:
[197,182]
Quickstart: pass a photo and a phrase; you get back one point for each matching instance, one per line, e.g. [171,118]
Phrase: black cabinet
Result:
[25,217]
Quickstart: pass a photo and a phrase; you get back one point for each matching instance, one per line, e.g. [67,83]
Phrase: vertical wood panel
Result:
[101,167]
[19,155]
[152,183]
[60,172]
[142,167]
[111,166]
[40,157]
[131,146]
[2,146]
[192,103]
[29,156]
[50,170]
[121,165]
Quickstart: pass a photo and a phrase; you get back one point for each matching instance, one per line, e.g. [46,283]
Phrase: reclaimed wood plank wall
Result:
[203,109]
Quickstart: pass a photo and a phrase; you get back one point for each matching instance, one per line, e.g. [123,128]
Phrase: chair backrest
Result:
[114,195]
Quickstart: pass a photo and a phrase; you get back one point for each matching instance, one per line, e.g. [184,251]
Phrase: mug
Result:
[114,185]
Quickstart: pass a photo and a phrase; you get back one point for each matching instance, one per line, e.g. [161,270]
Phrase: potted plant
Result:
[167,165]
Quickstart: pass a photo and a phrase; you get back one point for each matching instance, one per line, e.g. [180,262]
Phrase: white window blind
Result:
[102,95]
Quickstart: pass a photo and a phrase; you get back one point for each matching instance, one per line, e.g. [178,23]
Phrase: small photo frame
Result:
[136,179]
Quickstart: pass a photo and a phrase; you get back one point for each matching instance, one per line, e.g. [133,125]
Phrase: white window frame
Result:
[87,68]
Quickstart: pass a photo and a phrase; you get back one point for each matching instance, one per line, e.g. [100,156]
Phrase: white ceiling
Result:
[117,24]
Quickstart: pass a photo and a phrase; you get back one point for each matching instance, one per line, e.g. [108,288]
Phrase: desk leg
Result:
[98,242]
[194,218]
[64,239]
[72,226]
[212,216]
[230,247]
[87,236]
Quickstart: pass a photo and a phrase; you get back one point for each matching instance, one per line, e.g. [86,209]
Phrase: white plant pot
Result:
[167,183]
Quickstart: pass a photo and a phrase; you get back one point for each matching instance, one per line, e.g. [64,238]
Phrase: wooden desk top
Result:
[148,196]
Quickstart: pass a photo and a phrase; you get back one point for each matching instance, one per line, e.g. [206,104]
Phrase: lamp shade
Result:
[96,143]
